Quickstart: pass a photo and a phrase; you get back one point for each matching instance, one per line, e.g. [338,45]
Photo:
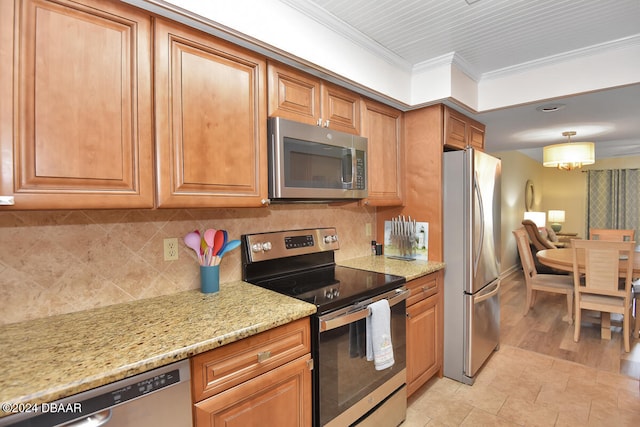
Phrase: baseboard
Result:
[511,271]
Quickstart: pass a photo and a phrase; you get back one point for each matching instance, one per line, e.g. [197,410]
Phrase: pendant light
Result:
[569,155]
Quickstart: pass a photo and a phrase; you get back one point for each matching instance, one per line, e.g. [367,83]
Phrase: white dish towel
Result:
[379,346]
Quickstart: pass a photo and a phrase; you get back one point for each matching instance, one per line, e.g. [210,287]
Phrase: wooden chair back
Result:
[612,234]
[602,290]
[526,257]
[602,266]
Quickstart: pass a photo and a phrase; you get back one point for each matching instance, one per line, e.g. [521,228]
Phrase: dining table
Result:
[562,259]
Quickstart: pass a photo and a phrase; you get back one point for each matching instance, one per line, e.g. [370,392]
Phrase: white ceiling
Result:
[489,37]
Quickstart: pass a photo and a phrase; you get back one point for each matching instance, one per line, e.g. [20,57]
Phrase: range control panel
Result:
[282,244]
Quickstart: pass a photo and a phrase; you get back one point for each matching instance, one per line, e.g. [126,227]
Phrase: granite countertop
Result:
[50,358]
[381,264]
[54,357]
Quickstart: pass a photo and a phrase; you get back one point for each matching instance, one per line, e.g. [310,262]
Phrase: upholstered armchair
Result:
[538,242]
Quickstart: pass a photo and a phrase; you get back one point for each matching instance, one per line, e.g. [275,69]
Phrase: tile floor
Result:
[521,388]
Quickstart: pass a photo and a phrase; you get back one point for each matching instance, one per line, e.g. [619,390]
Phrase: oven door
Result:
[348,386]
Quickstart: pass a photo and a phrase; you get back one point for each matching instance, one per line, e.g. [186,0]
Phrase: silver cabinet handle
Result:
[7,201]
[96,420]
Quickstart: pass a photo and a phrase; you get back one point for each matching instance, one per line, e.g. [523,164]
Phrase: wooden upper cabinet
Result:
[293,95]
[77,132]
[462,131]
[210,99]
[340,109]
[382,125]
[299,96]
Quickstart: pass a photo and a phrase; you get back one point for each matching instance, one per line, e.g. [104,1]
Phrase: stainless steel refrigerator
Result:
[472,256]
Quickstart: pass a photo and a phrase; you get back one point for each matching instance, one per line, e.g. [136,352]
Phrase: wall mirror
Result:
[529,195]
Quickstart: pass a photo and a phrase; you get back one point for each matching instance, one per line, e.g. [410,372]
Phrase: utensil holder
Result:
[209,278]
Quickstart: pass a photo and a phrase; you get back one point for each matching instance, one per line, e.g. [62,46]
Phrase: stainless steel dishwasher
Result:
[159,398]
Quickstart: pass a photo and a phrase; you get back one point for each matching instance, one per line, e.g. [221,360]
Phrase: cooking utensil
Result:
[229,246]
[209,235]
[192,240]
[218,242]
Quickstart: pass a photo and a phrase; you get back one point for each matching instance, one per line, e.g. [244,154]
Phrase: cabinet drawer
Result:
[281,397]
[222,368]
[424,287]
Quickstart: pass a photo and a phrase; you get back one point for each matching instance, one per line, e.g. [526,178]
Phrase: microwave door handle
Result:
[347,167]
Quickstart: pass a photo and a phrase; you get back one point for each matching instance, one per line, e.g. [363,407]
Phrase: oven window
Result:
[345,375]
[316,165]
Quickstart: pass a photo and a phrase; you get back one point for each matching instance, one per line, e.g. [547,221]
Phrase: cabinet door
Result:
[455,127]
[210,121]
[476,136]
[382,125]
[340,109]
[462,131]
[77,132]
[293,95]
[423,337]
[279,398]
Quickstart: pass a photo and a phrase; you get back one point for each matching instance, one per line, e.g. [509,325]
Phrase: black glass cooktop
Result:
[331,287]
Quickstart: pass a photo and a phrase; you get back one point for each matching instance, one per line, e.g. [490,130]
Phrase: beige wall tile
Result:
[55,262]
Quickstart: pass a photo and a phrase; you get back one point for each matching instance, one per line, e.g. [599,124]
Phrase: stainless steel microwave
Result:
[309,162]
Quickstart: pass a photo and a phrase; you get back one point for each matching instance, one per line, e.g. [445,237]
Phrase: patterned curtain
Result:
[613,199]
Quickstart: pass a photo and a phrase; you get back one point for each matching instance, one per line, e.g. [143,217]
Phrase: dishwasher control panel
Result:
[146,386]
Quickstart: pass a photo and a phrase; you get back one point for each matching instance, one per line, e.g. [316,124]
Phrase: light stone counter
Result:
[47,359]
[381,264]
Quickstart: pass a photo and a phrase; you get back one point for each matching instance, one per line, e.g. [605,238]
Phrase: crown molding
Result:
[326,19]
[565,56]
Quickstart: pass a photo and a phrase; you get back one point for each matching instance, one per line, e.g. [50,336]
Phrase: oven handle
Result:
[359,311]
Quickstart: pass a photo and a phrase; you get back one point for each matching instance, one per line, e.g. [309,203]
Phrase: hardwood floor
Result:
[543,331]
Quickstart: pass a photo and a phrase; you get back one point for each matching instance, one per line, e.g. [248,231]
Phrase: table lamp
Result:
[555,218]
[539,218]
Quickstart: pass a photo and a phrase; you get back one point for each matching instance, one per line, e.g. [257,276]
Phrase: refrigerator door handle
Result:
[478,250]
[487,293]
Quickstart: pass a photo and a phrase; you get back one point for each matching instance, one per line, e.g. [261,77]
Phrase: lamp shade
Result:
[556,216]
[539,218]
[569,155]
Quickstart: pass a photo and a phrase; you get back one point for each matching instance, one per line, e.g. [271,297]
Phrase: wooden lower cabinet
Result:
[424,330]
[262,380]
[279,398]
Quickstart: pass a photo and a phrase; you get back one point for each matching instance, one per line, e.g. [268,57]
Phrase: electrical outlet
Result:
[367,229]
[171,249]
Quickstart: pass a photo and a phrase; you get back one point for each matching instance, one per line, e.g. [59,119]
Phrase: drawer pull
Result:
[263,355]
[428,288]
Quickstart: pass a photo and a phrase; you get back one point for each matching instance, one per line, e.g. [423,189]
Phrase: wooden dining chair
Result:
[599,288]
[636,308]
[559,284]
[611,234]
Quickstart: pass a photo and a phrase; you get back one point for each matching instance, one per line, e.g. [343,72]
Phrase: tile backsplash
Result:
[54,262]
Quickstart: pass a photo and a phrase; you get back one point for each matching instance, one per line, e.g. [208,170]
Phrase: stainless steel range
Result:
[347,388]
